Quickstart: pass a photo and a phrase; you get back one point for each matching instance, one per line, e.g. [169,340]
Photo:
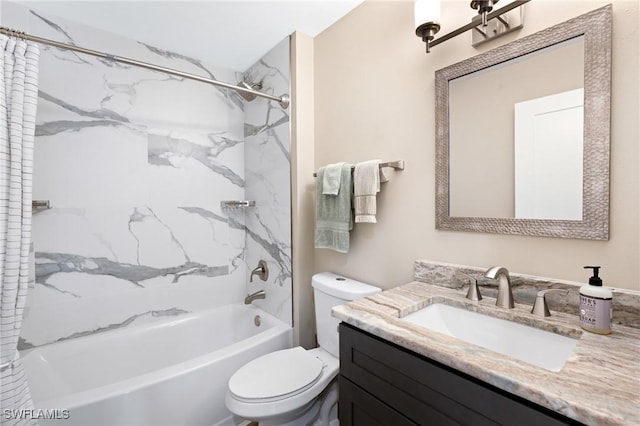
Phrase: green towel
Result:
[334,217]
[331,179]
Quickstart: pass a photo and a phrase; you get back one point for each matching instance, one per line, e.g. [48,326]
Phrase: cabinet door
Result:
[429,393]
[359,408]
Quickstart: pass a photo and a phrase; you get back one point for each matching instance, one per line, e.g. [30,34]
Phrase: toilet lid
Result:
[276,376]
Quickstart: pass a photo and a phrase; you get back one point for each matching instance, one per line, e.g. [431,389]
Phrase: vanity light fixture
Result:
[427,19]
[487,25]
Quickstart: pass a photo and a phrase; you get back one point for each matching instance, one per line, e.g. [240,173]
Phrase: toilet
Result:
[298,387]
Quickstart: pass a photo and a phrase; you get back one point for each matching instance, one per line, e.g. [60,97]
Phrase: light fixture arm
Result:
[427,31]
[486,12]
[483,7]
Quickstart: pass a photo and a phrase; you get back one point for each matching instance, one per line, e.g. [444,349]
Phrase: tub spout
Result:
[253,296]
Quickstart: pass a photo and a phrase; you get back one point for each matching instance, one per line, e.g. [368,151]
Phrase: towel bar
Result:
[398,165]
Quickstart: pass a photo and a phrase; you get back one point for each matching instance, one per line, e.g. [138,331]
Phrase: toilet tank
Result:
[330,290]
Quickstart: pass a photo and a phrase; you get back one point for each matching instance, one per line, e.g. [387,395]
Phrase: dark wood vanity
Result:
[382,383]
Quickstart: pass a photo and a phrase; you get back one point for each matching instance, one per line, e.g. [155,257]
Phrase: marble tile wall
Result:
[135,164]
[268,165]
[626,303]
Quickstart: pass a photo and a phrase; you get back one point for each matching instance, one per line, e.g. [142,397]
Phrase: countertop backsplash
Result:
[626,303]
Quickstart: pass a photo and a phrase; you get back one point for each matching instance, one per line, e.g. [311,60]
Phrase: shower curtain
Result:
[18,99]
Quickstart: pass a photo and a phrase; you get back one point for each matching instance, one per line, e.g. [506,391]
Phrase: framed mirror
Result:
[522,135]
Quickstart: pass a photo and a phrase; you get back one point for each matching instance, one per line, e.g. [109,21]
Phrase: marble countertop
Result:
[598,385]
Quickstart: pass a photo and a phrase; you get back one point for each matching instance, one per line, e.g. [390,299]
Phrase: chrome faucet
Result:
[254,296]
[262,271]
[505,295]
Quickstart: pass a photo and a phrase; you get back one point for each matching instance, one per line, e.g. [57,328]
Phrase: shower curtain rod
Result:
[283,100]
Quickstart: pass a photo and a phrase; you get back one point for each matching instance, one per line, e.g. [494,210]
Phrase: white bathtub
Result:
[168,373]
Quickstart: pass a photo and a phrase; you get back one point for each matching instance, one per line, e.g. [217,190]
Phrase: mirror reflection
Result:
[516,137]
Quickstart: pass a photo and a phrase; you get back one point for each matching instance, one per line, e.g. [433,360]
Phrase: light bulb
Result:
[426,11]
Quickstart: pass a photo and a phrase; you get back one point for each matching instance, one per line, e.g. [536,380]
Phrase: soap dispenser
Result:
[595,305]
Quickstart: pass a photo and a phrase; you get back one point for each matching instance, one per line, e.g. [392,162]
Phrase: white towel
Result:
[366,184]
[383,177]
[331,179]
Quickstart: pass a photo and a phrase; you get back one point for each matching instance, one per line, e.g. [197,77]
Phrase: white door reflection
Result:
[548,157]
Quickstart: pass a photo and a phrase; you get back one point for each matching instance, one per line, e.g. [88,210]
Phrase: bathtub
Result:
[166,373]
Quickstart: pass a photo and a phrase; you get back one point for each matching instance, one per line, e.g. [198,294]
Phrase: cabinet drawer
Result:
[427,392]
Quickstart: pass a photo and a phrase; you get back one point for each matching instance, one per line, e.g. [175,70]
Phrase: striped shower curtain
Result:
[18,99]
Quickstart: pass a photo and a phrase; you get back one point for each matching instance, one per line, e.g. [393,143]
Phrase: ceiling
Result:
[233,34]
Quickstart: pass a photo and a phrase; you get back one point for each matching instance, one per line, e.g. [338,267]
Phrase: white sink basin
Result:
[538,347]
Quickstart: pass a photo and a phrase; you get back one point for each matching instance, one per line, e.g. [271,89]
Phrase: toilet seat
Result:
[276,376]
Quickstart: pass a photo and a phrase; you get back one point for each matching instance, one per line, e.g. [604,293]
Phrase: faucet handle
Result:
[540,307]
[262,271]
[473,293]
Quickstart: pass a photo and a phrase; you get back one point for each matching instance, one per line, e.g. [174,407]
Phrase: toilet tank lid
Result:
[342,287]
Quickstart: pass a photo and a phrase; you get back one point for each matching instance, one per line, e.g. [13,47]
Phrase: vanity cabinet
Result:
[384,384]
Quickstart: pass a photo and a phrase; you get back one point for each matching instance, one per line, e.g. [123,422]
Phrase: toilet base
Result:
[323,411]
